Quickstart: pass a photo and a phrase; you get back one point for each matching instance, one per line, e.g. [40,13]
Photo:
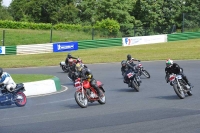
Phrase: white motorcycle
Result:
[180,86]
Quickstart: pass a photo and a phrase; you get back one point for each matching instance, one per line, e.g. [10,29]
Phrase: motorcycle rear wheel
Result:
[146,74]
[82,102]
[179,93]
[20,102]
[102,99]
[64,69]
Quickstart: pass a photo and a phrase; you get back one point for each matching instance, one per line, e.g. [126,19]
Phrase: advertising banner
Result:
[2,50]
[65,46]
[131,41]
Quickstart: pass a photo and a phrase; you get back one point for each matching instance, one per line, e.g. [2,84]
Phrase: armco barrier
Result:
[183,36]
[99,43]
[42,87]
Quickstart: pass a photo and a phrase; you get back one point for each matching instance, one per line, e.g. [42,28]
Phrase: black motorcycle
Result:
[16,97]
[134,80]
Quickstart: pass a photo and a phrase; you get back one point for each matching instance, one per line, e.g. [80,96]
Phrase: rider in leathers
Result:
[176,69]
[69,56]
[7,80]
[129,68]
[130,61]
[85,73]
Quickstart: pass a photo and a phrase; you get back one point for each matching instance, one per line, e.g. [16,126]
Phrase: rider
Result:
[129,68]
[130,61]
[85,73]
[176,69]
[69,56]
[6,79]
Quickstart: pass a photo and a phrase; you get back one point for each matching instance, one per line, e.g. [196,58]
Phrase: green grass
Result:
[21,78]
[178,50]
[27,36]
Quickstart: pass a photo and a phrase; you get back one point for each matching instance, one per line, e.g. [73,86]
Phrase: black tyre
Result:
[102,99]
[135,85]
[179,93]
[146,74]
[20,99]
[65,69]
[80,100]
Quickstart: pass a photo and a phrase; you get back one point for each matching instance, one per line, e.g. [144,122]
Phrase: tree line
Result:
[154,14]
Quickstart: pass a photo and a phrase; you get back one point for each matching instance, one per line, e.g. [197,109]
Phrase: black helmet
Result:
[69,55]
[1,71]
[128,57]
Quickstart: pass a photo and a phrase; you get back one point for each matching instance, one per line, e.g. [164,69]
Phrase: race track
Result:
[155,109]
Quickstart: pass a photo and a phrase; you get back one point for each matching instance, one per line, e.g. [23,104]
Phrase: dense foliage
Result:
[144,16]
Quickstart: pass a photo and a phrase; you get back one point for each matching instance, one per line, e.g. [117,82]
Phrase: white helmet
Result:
[169,63]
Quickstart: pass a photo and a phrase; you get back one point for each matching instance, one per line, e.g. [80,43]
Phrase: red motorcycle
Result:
[86,93]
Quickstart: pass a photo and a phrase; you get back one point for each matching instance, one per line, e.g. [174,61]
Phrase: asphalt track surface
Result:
[155,109]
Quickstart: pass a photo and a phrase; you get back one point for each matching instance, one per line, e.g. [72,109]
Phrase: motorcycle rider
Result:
[85,73]
[7,80]
[129,68]
[69,56]
[130,61]
[172,67]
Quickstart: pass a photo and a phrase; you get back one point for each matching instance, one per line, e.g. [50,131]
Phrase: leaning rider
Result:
[176,69]
[85,73]
[7,80]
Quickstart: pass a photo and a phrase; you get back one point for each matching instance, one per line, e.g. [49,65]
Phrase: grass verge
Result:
[22,78]
[178,50]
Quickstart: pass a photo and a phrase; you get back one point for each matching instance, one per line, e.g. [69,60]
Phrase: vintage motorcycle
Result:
[179,85]
[134,80]
[142,71]
[16,97]
[85,93]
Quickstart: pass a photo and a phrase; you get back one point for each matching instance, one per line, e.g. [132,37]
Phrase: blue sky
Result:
[6,2]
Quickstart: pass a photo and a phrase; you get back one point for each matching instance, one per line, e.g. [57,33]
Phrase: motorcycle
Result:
[16,97]
[134,80]
[85,93]
[179,85]
[142,71]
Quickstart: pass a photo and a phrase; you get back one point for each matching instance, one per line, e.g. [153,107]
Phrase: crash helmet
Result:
[79,66]
[69,55]
[128,57]
[123,63]
[1,71]
[169,63]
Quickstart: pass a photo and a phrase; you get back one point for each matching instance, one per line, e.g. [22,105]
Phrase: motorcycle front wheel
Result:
[180,93]
[20,99]
[135,85]
[102,99]
[80,100]
[146,74]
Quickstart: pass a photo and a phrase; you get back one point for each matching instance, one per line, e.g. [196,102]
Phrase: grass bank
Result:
[21,78]
[179,50]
